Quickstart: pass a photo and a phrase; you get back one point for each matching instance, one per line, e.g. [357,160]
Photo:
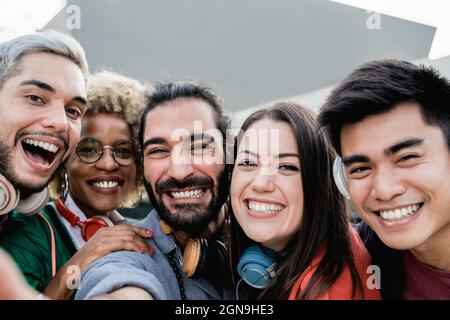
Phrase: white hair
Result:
[12,51]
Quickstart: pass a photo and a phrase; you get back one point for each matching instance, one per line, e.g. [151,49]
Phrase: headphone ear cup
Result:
[165,228]
[215,262]
[203,259]
[92,225]
[9,197]
[340,177]
[191,256]
[255,267]
[33,204]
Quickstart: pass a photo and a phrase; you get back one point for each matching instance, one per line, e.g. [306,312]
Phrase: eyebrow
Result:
[201,136]
[288,154]
[156,140]
[49,88]
[407,143]
[39,84]
[81,100]
[193,137]
[411,142]
[281,155]
[354,158]
[123,141]
[248,152]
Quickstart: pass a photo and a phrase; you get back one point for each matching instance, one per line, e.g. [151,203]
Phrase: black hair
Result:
[169,91]
[379,86]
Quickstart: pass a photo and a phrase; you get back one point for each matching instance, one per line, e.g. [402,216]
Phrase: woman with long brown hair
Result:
[290,235]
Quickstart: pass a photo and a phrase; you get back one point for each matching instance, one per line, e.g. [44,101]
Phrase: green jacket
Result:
[29,241]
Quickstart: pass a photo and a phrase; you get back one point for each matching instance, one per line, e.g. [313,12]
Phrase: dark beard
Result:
[191,218]
[6,169]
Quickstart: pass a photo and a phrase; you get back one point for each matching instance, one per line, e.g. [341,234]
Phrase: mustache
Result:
[171,183]
[42,133]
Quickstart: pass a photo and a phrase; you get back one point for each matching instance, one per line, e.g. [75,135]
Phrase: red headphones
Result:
[88,227]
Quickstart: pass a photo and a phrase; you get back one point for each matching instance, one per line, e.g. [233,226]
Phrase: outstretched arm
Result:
[123,275]
[12,283]
[105,241]
[126,293]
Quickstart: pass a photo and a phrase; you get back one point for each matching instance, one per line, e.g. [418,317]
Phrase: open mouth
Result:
[400,213]
[187,194]
[264,207]
[40,152]
[106,184]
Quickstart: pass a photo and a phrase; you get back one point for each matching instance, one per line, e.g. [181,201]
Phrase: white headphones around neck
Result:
[10,199]
[340,177]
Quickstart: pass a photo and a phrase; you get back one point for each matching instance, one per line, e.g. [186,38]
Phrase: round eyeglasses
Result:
[90,150]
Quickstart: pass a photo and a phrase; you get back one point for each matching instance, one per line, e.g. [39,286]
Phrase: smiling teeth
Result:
[187,194]
[264,207]
[400,213]
[106,184]
[44,145]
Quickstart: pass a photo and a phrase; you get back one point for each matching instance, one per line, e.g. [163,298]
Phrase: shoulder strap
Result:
[57,220]
[53,243]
